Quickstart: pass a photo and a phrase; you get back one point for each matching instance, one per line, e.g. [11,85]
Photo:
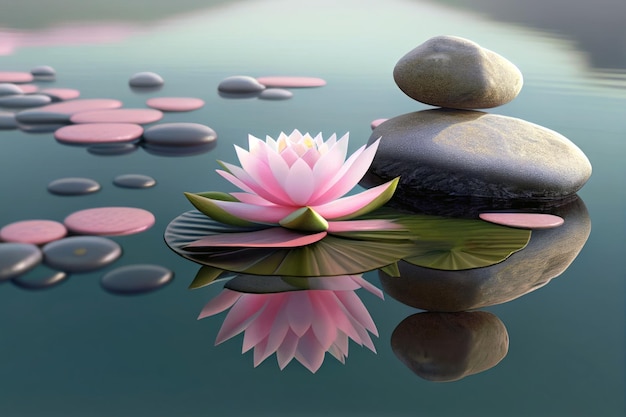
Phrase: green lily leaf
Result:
[204,203]
[206,275]
[456,244]
[392,270]
[449,243]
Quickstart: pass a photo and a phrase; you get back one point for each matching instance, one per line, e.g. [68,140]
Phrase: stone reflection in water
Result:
[301,324]
[450,346]
[547,255]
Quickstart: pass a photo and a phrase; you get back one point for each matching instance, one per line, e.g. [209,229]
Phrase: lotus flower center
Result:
[300,147]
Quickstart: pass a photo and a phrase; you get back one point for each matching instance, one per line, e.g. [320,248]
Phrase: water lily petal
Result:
[235,181]
[289,155]
[253,199]
[276,237]
[252,213]
[278,167]
[350,173]
[310,352]
[299,312]
[330,142]
[244,312]
[257,147]
[287,350]
[259,353]
[337,354]
[338,313]
[261,173]
[223,301]
[322,325]
[299,183]
[355,306]
[368,286]
[262,326]
[280,327]
[328,165]
[342,343]
[358,204]
[311,157]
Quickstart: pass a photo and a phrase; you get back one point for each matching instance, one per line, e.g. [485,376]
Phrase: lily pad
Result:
[330,256]
[448,243]
[456,244]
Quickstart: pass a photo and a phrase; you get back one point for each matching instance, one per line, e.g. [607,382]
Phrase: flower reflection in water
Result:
[297,324]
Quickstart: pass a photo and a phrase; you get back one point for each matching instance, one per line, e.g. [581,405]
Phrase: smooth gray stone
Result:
[24,100]
[112,149]
[134,181]
[42,117]
[73,186]
[179,134]
[43,71]
[81,253]
[449,71]
[9,89]
[7,120]
[275,94]
[240,84]
[145,79]
[547,255]
[446,347]
[471,153]
[40,127]
[238,96]
[39,278]
[136,279]
[177,151]
[17,258]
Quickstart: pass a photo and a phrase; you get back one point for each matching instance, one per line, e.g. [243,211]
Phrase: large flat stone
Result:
[472,153]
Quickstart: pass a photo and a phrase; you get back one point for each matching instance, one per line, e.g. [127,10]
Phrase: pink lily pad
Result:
[90,133]
[82,105]
[175,103]
[15,77]
[135,116]
[109,221]
[291,81]
[28,88]
[276,237]
[523,220]
[61,94]
[36,232]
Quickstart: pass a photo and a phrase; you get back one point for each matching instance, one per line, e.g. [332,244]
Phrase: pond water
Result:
[77,350]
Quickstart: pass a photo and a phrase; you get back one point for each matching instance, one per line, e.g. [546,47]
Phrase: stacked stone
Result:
[456,150]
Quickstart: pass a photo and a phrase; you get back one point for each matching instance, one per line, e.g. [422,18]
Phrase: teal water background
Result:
[77,351]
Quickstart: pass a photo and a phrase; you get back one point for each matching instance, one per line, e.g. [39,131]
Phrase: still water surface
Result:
[75,350]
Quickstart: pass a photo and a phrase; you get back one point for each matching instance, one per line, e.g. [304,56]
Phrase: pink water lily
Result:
[299,324]
[296,181]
